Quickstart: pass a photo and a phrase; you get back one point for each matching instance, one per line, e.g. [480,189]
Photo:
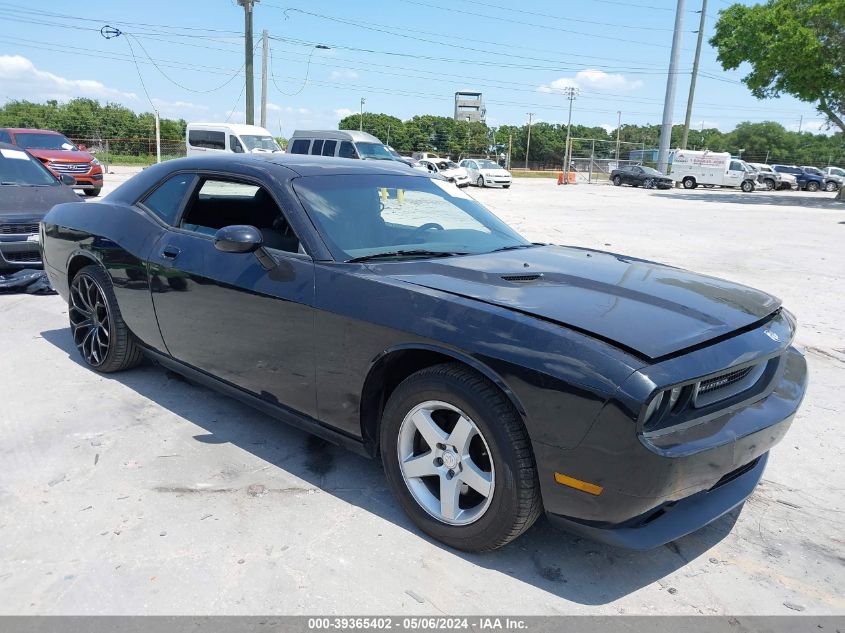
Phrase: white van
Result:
[339,143]
[691,168]
[208,138]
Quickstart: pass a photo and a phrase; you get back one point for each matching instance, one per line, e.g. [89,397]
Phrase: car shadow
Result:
[570,567]
[755,198]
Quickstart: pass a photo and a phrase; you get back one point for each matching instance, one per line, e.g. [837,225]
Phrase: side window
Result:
[218,203]
[736,166]
[329,147]
[166,200]
[473,165]
[317,147]
[207,139]
[235,145]
[5,137]
[300,146]
[347,150]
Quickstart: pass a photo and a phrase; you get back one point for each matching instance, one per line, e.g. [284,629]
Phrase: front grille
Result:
[69,168]
[719,382]
[18,229]
[23,257]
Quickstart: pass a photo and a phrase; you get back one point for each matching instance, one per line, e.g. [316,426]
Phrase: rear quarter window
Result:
[5,137]
[166,200]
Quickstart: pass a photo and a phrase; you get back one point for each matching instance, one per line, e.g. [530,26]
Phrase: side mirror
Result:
[68,180]
[238,238]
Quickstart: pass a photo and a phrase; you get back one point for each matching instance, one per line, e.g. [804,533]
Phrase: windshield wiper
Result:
[408,253]
[517,246]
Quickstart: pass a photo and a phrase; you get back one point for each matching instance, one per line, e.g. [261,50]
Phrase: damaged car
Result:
[385,310]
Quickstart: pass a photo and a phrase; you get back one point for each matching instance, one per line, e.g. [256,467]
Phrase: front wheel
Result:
[91,192]
[99,333]
[649,183]
[747,186]
[506,186]
[480,181]
[830,186]
[458,459]
[812,186]
[769,184]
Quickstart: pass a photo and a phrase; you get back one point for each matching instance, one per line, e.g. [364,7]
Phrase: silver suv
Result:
[772,179]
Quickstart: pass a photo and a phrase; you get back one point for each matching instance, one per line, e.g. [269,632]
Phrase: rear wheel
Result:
[458,459]
[769,184]
[689,183]
[617,180]
[812,186]
[99,333]
[747,186]
[830,186]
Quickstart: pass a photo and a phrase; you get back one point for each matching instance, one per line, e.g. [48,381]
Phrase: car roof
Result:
[237,128]
[351,135]
[31,130]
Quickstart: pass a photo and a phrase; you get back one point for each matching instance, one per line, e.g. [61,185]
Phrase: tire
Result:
[109,346]
[451,394]
[747,186]
[689,183]
[480,181]
[617,181]
[91,192]
[812,186]
[506,186]
[648,183]
[769,184]
[830,186]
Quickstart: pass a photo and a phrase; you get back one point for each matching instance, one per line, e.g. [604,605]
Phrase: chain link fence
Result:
[130,151]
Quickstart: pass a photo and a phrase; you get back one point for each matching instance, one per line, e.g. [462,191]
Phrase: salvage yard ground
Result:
[141,493]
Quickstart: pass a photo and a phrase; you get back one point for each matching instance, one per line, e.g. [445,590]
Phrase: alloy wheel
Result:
[446,463]
[480,181]
[89,319]
[830,187]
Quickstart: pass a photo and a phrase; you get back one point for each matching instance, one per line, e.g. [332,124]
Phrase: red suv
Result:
[59,155]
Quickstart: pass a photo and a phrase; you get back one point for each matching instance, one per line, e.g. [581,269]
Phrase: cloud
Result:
[21,79]
[816,126]
[272,107]
[342,113]
[179,109]
[592,79]
[343,74]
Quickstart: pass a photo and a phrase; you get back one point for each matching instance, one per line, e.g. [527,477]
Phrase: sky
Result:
[404,57]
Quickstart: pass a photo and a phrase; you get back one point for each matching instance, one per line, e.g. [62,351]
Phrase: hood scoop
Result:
[524,278]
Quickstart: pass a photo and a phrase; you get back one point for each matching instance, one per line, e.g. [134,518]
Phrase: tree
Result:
[795,47]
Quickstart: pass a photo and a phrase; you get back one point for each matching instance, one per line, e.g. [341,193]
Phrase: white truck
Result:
[211,138]
[693,168]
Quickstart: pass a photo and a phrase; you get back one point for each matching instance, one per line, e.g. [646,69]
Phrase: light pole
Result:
[571,93]
[361,124]
[669,101]
[618,132]
[528,144]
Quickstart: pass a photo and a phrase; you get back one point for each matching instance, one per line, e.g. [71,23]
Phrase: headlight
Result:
[651,417]
[94,161]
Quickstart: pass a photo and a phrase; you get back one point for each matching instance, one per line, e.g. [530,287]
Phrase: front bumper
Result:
[497,181]
[656,489]
[20,251]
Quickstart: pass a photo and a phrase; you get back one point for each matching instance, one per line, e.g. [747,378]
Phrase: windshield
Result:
[651,172]
[488,164]
[19,168]
[837,172]
[363,215]
[814,171]
[267,143]
[373,151]
[44,141]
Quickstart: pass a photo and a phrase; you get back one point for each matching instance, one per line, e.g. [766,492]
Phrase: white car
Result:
[772,179]
[450,170]
[484,173]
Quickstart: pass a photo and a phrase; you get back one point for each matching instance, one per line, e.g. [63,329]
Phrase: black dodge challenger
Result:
[388,311]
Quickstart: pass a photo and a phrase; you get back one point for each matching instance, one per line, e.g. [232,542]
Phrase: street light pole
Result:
[694,77]
[528,144]
[618,131]
[669,101]
[570,92]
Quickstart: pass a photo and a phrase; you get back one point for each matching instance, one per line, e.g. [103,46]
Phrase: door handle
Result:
[170,252]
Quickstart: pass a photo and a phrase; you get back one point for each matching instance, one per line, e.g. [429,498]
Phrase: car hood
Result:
[32,202]
[455,172]
[61,155]
[650,309]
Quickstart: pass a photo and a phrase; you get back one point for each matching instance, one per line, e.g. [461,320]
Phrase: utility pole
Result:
[618,131]
[361,124]
[528,144]
[250,88]
[510,149]
[265,50]
[800,123]
[669,103]
[158,137]
[570,92]
[694,73]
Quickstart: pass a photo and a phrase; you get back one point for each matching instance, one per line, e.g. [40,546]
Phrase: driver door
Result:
[246,318]
[735,174]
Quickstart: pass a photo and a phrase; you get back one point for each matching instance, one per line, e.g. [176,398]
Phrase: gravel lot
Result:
[140,493]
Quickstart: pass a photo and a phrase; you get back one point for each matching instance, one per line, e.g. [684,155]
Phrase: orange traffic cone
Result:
[560,178]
